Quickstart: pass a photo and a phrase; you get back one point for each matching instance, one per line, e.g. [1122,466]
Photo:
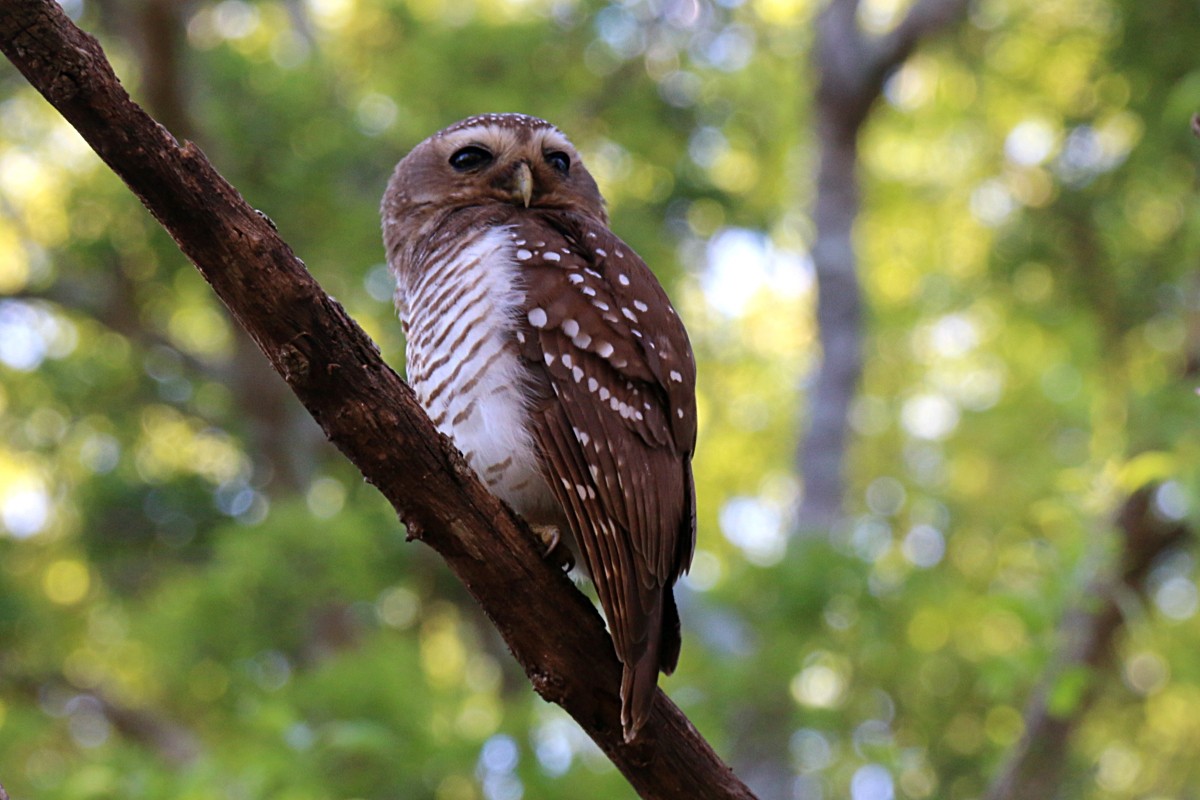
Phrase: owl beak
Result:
[522,184]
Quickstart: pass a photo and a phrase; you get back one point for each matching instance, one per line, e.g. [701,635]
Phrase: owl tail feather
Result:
[639,683]
[639,679]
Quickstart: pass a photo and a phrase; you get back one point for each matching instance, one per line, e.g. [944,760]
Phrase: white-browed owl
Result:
[545,348]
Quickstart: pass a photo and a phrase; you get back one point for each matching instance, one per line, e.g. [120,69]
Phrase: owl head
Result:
[492,159]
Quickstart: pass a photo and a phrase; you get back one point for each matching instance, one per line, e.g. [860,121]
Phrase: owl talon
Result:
[552,538]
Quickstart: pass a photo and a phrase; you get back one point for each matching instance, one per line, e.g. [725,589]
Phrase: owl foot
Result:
[555,549]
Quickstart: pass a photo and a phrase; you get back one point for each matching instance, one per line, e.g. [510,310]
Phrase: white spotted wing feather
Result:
[616,428]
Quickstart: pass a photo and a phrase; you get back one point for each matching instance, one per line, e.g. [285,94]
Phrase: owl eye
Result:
[559,160]
[469,158]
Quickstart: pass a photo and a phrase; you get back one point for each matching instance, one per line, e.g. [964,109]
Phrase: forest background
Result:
[199,598]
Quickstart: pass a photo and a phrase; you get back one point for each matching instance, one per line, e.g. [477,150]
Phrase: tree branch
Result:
[172,742]
[1088,632]
[926,18]
[363,407]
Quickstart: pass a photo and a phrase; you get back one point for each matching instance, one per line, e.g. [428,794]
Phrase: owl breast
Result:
[463,364]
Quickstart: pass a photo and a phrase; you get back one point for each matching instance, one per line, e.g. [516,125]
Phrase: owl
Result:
[543,346]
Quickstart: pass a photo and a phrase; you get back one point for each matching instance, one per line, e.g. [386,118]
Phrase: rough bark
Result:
[852,68]
[1037,765]
[365,409]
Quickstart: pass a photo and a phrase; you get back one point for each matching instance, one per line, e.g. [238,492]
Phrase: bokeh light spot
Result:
[66,581]
[1146,672]
[1004,725]
[929,630]
[872,782]
[326,497]
[822,683]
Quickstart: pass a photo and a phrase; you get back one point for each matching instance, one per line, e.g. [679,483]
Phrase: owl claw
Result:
[552,538]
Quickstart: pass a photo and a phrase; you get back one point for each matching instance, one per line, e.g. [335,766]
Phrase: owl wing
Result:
[615,427]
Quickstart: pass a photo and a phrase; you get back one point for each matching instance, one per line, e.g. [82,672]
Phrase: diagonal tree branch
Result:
[1088,634]
[363,407]
[924,19]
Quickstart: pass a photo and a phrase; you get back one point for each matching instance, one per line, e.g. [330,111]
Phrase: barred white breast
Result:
[465,368]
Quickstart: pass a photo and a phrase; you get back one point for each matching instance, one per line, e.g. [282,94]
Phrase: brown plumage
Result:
[545,348]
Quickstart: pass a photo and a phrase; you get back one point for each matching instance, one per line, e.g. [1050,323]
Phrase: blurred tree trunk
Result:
[280,438]
[853,68]
[155,31]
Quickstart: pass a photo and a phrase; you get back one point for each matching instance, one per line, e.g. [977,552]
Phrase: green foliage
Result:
[197,601]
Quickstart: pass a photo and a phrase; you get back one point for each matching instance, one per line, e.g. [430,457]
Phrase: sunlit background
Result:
[199,599]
